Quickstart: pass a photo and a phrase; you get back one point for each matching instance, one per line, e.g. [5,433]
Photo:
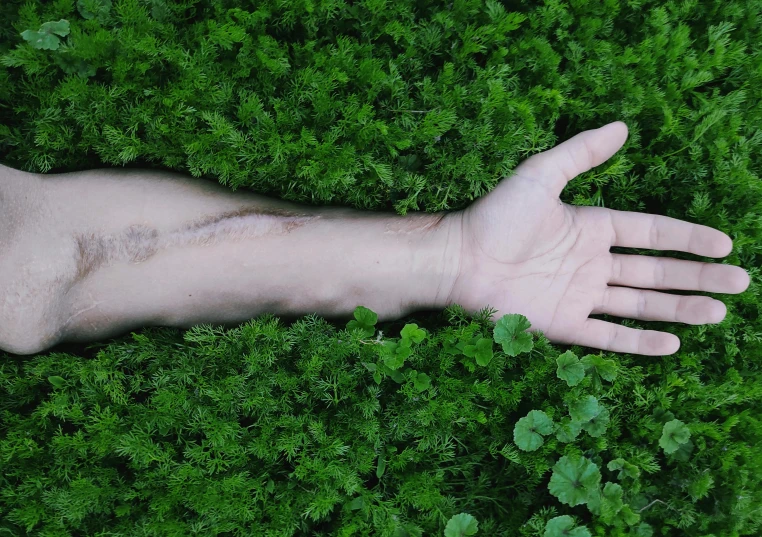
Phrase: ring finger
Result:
[654,306]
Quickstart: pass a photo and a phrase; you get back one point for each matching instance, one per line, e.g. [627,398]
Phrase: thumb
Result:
[580,153]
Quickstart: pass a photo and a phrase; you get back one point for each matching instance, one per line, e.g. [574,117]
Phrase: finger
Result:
[562,163]
[655,306]
[666,273]
[615,338]
[655,232]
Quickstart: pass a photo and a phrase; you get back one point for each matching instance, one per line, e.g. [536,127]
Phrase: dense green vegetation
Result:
[443,424]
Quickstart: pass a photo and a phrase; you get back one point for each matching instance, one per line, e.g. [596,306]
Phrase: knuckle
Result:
[660,273]
[642,304]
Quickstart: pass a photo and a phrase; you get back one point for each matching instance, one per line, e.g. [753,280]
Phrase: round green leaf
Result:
[528,430]
[574,478]
[584,409]
[510,333]
[568,431]
[564,526]
[673,434]
[606,368]
[460,525]
[597,426]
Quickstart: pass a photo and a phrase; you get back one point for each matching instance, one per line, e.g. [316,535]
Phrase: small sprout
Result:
[58,382]
[625,468]
[365,320]
[482,351]
[422,382]
[413,333]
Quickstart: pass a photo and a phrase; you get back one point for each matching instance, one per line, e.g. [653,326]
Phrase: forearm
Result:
[163,249]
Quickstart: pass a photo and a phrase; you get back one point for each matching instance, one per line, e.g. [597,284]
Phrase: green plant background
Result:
[278,427]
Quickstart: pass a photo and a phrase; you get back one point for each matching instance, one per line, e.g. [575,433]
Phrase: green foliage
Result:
[320,428]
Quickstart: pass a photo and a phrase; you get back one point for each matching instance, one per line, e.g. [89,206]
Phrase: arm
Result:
[153,248]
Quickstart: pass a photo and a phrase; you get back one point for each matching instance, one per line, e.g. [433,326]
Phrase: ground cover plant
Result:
[441,424]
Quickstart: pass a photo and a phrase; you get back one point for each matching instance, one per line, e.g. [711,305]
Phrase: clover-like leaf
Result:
[673,434]
[510,333]
[412,332]
[584,409]
[422,382]
[607,369]
[365,316]
[461,525]
[364,320]
[564,526]
[574,478]
[597,425]
[568,430]
[528,430]
[570,369]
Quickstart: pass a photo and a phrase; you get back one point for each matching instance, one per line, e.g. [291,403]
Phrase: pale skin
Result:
[91,255]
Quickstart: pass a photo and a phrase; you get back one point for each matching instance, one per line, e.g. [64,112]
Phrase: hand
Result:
[524,251]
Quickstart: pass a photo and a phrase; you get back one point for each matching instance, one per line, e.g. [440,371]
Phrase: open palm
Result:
[524,251]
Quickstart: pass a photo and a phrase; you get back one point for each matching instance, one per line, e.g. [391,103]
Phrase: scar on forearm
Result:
[138,243]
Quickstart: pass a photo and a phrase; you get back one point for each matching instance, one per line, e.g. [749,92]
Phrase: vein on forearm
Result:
[138,243]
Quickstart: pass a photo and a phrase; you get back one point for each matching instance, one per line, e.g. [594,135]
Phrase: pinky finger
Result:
[615,338]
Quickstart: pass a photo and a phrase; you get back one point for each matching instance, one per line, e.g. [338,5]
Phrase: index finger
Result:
[656,232]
